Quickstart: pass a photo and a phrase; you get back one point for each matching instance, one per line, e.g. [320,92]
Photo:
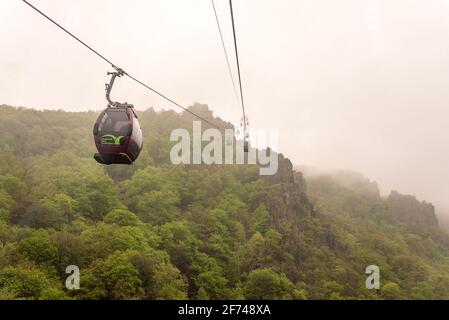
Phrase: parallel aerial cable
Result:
[238,69]
[226,54]
[119,69]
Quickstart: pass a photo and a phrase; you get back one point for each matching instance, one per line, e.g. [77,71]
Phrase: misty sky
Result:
[351,84]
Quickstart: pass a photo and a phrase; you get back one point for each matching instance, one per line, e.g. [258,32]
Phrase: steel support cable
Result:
[238,68]
[116,68]
[226,54]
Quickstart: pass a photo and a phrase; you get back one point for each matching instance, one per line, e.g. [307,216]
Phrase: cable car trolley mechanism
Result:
[117,132]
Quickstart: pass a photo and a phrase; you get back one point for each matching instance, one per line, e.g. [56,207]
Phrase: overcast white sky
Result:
[351,84]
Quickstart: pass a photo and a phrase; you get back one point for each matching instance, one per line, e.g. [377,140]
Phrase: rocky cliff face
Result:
[355,188]
[287,200]
[284,174]
[410,210]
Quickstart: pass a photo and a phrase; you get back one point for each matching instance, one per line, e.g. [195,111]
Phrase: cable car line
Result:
[226,53]
[246,142]
[118,69]
[69,33]
[238,68]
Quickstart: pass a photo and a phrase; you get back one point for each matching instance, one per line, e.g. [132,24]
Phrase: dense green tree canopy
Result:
[159,231]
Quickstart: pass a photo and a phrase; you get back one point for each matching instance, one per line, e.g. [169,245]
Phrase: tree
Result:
[112,278]
[63,204]
[4,231]
[146,181]
[14,186]
[265,284]
[104,239]
[332,290]
[157,207]
[180,244]
[94,193]
[90,189]
[122,217]
[213,283]
[391,291]
[18,283]
[50,212]
[423,291]
[39,248]
[265,251]
[202,294]
[71,251]
[6,203]
[260,219]
[160,279]
[39,215]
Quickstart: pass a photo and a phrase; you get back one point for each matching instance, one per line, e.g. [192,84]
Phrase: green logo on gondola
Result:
[110,139]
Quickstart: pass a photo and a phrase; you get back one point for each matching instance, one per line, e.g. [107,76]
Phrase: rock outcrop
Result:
[412,211]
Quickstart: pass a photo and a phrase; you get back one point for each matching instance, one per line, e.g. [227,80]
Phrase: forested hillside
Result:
[159,231]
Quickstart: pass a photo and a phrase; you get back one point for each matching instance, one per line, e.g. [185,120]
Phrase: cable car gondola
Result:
[117,132]
[246,140]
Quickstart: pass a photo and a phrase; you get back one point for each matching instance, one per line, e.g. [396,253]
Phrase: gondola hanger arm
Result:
[118,73]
